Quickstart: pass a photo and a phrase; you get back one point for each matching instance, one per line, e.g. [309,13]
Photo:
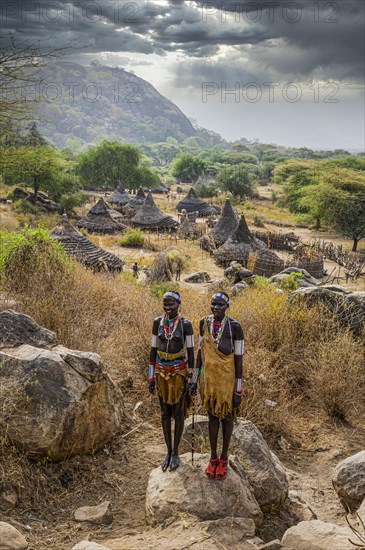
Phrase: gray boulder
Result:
[89,545]
[17,328]
[66,403]
[189,490]
[317,535]
[238,288]
[199,277]
[263,469]
[349,481]
[100,515]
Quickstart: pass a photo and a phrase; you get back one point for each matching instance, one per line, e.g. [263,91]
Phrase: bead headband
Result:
[222,296]
[171,294]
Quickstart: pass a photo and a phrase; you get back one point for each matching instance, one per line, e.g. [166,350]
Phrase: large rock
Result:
[349,481]
[265,473]
[66,402]
[348,307]
[317,535]
[189,490]
[199,277]
[11,538]
[17,328]
[361,512]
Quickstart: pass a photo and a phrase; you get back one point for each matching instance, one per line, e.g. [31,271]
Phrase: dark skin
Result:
[171,308]
[219,307]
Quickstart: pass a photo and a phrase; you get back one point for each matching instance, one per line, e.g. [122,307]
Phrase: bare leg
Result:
[178,413]
[227,428]
[213,434]
[166,413]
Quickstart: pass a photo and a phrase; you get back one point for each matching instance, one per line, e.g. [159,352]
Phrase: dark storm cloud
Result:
[290,38]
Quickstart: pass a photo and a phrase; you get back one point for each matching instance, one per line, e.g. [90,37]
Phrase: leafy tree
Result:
[39,167]
[236,180]
[188,168]
[107,164]
[145,177]
[343,208]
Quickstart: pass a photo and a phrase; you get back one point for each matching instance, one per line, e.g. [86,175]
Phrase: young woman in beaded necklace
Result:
[170,370]
[219,370]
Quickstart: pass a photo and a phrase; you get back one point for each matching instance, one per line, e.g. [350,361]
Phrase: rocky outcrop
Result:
[11,538]
[189,490]
[347,307]
[317,535]
[302,277]
[349,481]
[65,402]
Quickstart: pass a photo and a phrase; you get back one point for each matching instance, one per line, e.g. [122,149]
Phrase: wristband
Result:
[151,372]
[195,376]
[190,374]
[238,386]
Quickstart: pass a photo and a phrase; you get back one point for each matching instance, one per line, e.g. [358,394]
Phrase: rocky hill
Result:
[83,104]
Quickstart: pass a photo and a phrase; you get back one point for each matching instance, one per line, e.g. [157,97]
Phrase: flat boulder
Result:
[67,404]
[317,535]
[189,490]
[100,515]
[11,538]
[349,481]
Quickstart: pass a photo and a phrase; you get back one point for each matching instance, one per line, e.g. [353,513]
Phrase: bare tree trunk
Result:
[354,246]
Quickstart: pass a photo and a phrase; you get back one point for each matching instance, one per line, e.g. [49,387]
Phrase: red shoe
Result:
[210,470]
[222,469]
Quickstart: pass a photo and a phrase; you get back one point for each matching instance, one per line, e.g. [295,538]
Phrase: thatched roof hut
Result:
[188,229]
[226,226]
[160,190]
[100,220]
[83,250]
[238,246]
[192,203]
[136,202]
[119,197]
[151,217]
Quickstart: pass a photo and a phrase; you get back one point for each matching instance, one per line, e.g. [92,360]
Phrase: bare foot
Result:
[175,462]
[166,462]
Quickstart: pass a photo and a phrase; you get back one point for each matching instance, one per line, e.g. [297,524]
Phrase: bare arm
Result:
[238,340]
[153,355]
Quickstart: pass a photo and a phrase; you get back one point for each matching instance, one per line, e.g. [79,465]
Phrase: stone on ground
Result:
[70,405]
[298,509]
[199,277]
[88,545]
[272,545]
[11,538]
[349,481]
[361,512]
[189,490]
[317,535]
[100,515]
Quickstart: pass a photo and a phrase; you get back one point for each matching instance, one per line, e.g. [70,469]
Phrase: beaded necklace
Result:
[212,325]
[170,326]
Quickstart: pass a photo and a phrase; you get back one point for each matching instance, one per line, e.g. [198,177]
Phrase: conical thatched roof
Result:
[83,250]
[226,226]
[138,201]
[119,197]
[239,245]
[151,217]
[192,203]
[100,220]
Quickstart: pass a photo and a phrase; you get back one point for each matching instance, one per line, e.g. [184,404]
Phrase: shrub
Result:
[257,221]
[158,290]
[133,238]
[290,283]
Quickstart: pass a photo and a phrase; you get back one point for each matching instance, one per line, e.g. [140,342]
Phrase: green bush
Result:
[290,283]
[257,221]
[133,238]
[158,290]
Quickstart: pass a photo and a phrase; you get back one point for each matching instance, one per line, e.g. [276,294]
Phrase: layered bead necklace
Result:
[170,326]
[216,329]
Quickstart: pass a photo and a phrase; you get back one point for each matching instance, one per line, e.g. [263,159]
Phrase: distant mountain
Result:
[84,104]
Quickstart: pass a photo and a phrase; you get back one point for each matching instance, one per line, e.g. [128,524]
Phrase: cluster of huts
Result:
[230,239]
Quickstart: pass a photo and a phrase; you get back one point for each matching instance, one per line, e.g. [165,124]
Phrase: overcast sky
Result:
[283,72]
